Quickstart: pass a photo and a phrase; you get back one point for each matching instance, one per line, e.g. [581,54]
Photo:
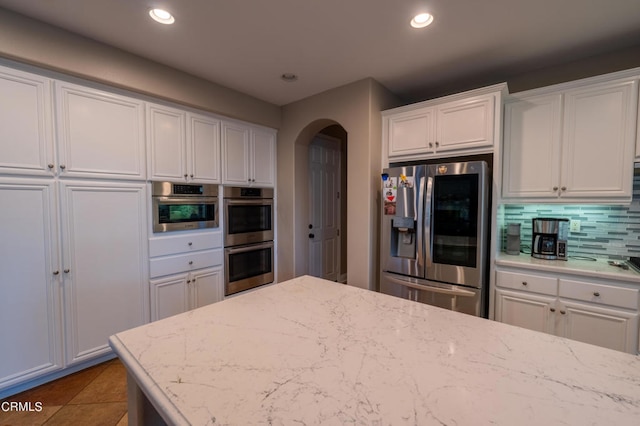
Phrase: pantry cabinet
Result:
[30,306]
[104,263]
[26,136]
[185,271]
[182,146]
[248,155]
[100,134]
[574,143]
[598,312]
[463,124]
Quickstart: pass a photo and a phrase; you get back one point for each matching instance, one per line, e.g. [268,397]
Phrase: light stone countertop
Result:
[309,351]
[599,268]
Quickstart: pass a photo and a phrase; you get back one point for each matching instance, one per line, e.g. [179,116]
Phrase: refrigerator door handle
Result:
[420,230]
[454,291]
[427,222]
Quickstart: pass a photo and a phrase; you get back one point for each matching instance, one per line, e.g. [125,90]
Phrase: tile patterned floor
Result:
[96,396]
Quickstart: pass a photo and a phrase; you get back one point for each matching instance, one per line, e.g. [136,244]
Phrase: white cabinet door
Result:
[411,132]
[598,141]
[207,287]
[26,140]
[235,150]
[465,124]
[532,147]
[105,263]
[534,312]
[100,134]
[30,320]
[167,143]
[169,296]
[609,328]
[263,157]
[203,149]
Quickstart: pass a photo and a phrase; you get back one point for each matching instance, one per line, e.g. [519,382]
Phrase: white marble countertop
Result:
[309,351]
[599,268]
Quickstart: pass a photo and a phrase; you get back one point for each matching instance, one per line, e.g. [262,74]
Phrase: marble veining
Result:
[309,351]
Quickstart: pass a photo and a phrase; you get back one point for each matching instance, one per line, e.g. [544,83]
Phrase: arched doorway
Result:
[309,229]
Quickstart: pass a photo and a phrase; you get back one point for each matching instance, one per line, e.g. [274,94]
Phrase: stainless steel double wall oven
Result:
[434,234]
[248,238]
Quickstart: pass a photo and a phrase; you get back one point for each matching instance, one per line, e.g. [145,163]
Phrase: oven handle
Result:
[260,202]
[186,200]
[251,247]
[452,292]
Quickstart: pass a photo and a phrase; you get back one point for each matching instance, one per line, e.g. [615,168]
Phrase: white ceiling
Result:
[246,45]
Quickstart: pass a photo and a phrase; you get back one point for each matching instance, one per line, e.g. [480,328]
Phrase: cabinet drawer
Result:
[601,294]
[174,244]
[526,282]
[184,262]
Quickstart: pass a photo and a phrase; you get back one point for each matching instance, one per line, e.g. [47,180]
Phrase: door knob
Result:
[312,236]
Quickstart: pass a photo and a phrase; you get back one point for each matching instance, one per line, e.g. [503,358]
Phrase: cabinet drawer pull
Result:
[190,243]
[596,294]
[524,283]
[191,262]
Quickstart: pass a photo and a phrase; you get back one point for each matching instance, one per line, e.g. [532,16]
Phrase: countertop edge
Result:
[585,268]
[165,408]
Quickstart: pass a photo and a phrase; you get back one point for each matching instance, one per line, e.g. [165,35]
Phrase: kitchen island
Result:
[310,351]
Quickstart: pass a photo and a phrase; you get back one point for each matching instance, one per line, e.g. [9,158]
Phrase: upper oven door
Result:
[183,213]
[247,221]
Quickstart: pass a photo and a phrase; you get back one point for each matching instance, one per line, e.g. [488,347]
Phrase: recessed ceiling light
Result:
[289,77]
[421,20]
[162,16]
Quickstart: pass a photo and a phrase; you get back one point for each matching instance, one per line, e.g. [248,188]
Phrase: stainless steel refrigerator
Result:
[434,234]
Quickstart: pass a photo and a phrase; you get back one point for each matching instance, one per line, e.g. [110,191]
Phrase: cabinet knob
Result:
[552,309]
[50,166]
[563,312]
[56,272]
[596,294]
[193,280]
[62,166]
[430,144]
[190,243]
[524,283]
[437,144]
[191,262]
[564,188]
[188,281]
[555,188]
[66,271]
[191,176]
[185,175]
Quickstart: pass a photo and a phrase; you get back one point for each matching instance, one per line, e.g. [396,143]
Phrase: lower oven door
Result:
[248,266]
[449,296]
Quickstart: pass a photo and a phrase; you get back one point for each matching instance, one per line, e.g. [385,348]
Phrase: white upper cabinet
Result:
[460,124]
[248,155]
[26,139]
[203,148]
[100,134]
[571,145]
[182,146]
[167,143]
[532,147]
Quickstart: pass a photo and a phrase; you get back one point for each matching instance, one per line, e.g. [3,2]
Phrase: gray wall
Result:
[35,43]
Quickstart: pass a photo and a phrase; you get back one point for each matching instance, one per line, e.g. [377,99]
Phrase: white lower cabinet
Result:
[30,315]
[186,272]
[596,312]
[104,263]
[64,289]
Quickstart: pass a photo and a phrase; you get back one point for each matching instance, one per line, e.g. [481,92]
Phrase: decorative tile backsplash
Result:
[611,232]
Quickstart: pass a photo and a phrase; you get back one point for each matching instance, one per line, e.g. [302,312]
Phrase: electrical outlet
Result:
[574,226]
